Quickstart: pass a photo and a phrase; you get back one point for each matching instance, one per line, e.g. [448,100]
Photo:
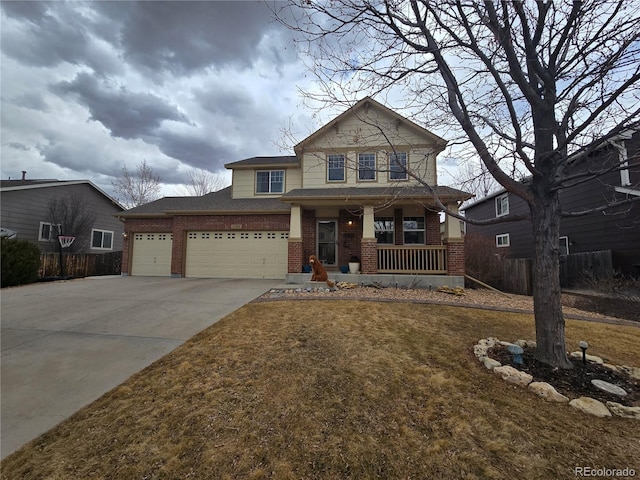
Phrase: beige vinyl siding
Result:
[244,181]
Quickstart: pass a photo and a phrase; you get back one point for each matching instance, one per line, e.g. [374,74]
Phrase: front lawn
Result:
[338,389]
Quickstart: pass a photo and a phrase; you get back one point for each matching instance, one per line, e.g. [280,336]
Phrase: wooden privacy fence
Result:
[517,273]
[80,264]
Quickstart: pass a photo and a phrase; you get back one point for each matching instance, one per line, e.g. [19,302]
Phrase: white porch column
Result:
[295,224]
[368,230]
[452,225]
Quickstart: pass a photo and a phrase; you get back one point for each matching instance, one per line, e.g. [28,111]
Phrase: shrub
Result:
[20,262]
[483,259]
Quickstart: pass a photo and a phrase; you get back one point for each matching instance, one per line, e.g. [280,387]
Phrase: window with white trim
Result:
[335,168]
[398,166]
[270,181]
[413,228]
[502,205]
[101,239]
[366,167]
[48,231]
[564,245]
[384,230]
[502,240]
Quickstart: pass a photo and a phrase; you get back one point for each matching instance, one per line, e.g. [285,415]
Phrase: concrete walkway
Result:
[64,344]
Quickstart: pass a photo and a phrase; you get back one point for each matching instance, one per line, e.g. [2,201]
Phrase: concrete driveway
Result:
[64,344]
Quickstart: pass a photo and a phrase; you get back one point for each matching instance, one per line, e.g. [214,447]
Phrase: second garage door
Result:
[237,254]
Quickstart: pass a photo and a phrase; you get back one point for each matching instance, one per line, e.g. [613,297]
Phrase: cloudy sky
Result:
[89,87]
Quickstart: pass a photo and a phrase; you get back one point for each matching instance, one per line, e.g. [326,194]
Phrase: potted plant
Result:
[354,265]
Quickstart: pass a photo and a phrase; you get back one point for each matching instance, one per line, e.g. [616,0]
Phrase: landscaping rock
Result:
[631,371]
[546,391]
[620,410]
[591,406]
[480,351]
[610,367]
[532,344]
[609,387]
[590,358]
[521,343]
[513,375]
[490,363]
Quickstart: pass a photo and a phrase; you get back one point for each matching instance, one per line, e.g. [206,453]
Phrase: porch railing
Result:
[412,259]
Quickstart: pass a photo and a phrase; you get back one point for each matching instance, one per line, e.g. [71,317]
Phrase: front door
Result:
[327,242]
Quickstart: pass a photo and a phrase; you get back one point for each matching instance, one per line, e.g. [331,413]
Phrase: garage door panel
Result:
[240,254]
[151,254]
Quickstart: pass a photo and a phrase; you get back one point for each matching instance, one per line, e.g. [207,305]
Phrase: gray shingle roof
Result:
[215,202]
[374,192]
[287,160]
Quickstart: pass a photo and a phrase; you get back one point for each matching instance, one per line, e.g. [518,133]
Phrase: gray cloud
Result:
[210,154]
[125,114]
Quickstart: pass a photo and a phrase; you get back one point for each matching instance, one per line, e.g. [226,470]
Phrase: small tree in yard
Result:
[532,87]
[72,216]
[138,187]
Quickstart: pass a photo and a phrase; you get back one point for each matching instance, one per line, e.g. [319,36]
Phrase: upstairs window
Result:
[101,239]
[335,168]
[413,230]
[502,205]
[271,181]
[384,229]
[398,166]
[366,167]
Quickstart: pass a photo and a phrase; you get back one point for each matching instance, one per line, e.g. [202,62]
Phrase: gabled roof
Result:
[17,185]
[219,203]
[282,161]
[366,102]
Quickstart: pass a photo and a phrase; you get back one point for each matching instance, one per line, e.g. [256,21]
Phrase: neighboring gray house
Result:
[24,209]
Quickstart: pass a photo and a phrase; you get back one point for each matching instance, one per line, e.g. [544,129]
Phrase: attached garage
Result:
[151,254]
[238,254]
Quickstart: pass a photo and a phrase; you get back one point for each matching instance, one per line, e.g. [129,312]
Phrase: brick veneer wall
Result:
[181,224]
[348,236]
[369,256]
[455,256]
[308,235]
[295,258]
[432,226]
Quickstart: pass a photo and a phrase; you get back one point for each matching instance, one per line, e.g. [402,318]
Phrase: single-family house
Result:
[350,190]
[616,229]
[25,213]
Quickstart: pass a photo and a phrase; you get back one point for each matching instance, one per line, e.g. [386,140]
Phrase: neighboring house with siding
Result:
[24,209]
[616,229]
[345,193]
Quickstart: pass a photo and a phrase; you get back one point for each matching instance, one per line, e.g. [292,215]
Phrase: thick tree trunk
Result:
[547,301]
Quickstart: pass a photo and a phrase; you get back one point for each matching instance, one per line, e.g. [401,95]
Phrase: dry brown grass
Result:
[337,389]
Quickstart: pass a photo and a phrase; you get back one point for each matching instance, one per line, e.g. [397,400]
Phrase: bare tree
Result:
[134,188]
[533,88]
[201,182]
[71,215]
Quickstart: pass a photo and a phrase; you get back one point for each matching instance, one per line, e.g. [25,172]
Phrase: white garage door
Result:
[237,254]
[151,254]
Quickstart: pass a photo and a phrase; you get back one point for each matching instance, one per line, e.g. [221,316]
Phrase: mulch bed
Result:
[575,382]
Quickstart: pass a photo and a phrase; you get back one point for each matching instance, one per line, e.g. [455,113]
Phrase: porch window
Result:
[384,229]
[398,166]
[270,181]
[502,240]
[101,239]
[335,168]
[413,230]
[502,205]
[366,167]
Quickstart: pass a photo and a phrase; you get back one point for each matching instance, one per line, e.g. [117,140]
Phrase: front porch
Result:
[426,282]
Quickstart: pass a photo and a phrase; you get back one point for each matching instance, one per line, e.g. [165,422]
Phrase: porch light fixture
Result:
[350,223]
[125,234]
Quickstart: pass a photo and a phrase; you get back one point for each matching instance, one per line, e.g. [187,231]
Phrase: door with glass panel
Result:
[327,244]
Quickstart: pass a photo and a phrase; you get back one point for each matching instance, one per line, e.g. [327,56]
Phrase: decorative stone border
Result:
[547,391]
